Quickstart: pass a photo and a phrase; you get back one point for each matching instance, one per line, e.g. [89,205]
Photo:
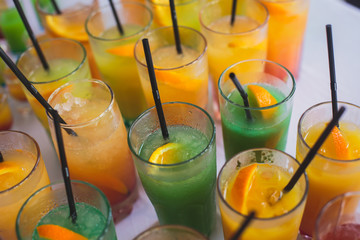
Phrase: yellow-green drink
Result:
[114,53]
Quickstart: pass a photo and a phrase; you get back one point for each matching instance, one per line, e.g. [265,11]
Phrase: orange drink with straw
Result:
[114,53]
[245,184]
[67,61]
[287,25]
[22,172]
[336,167]
[99,153]
[70,23]
[180,77]
[228,44]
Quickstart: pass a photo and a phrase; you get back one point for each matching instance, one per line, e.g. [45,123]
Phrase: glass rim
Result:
[86,123]
[284,100]
[176,4]
[172,68]
[210,141]
[65,14]
[258,28]
[301,201]
[329,204]
[301,137]
[82,62]
[107,7]
[37,161]
[58,183]
[170,226]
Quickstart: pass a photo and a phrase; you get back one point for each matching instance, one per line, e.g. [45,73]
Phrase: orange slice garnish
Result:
[240,189]
[336,146]
[166,154]
[55,232]
[58,27]
[260,97]
[112,183]
[8,167]
[126,50]
[177,80]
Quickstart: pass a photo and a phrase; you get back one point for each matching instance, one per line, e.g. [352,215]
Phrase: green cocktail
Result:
[270,88]
[178,174]
[114,53]
[45,215]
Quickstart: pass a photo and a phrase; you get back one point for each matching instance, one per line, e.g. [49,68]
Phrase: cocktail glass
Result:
[246,39]
[269,125]
[99,153]
[165,232]
[284,226]
[184,192]
[70,23]
[180,77]
[339,219]
[186,12]
[67,61]
[328,176]
[287,25]
[49,206]
[21,173]
[13,85]
[114,54]
[6,118]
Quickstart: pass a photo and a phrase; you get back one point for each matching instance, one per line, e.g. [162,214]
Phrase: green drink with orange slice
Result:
[114,53]
[270,105]
[178,174]
[336,167]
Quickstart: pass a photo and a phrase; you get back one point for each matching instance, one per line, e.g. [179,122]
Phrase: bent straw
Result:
[155,90]
[243,226]
[175,27]
[332,70]
[242,93]
[64,166]
[311,154]
[31,35]
[116,17]
[233,12]
[56,7]
[30,87]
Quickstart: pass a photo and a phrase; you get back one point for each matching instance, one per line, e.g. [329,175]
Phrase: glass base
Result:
[123,209]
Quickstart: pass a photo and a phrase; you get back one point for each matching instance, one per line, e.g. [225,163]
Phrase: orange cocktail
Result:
[247,182]
[336,167]
[287,25]
[180,77]
[22,172]
[99,153]
[6,119]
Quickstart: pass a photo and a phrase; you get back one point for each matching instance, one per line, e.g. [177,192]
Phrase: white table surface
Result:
[312,87]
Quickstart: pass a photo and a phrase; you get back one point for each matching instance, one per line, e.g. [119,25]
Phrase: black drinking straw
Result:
[116,17]
[243,226]
[30,87]
[312,152]
[233,12]
[332,70]
[155,90]
[242,93]
[175,27]
[64,166]
[31,35]
[1,157]
[56,7]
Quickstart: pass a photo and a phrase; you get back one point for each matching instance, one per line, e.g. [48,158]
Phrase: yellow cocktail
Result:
[67,61]
[228,44]
[246,184]
[336,167]
[287,25]
[21,173]
[99,153]
[180,77]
